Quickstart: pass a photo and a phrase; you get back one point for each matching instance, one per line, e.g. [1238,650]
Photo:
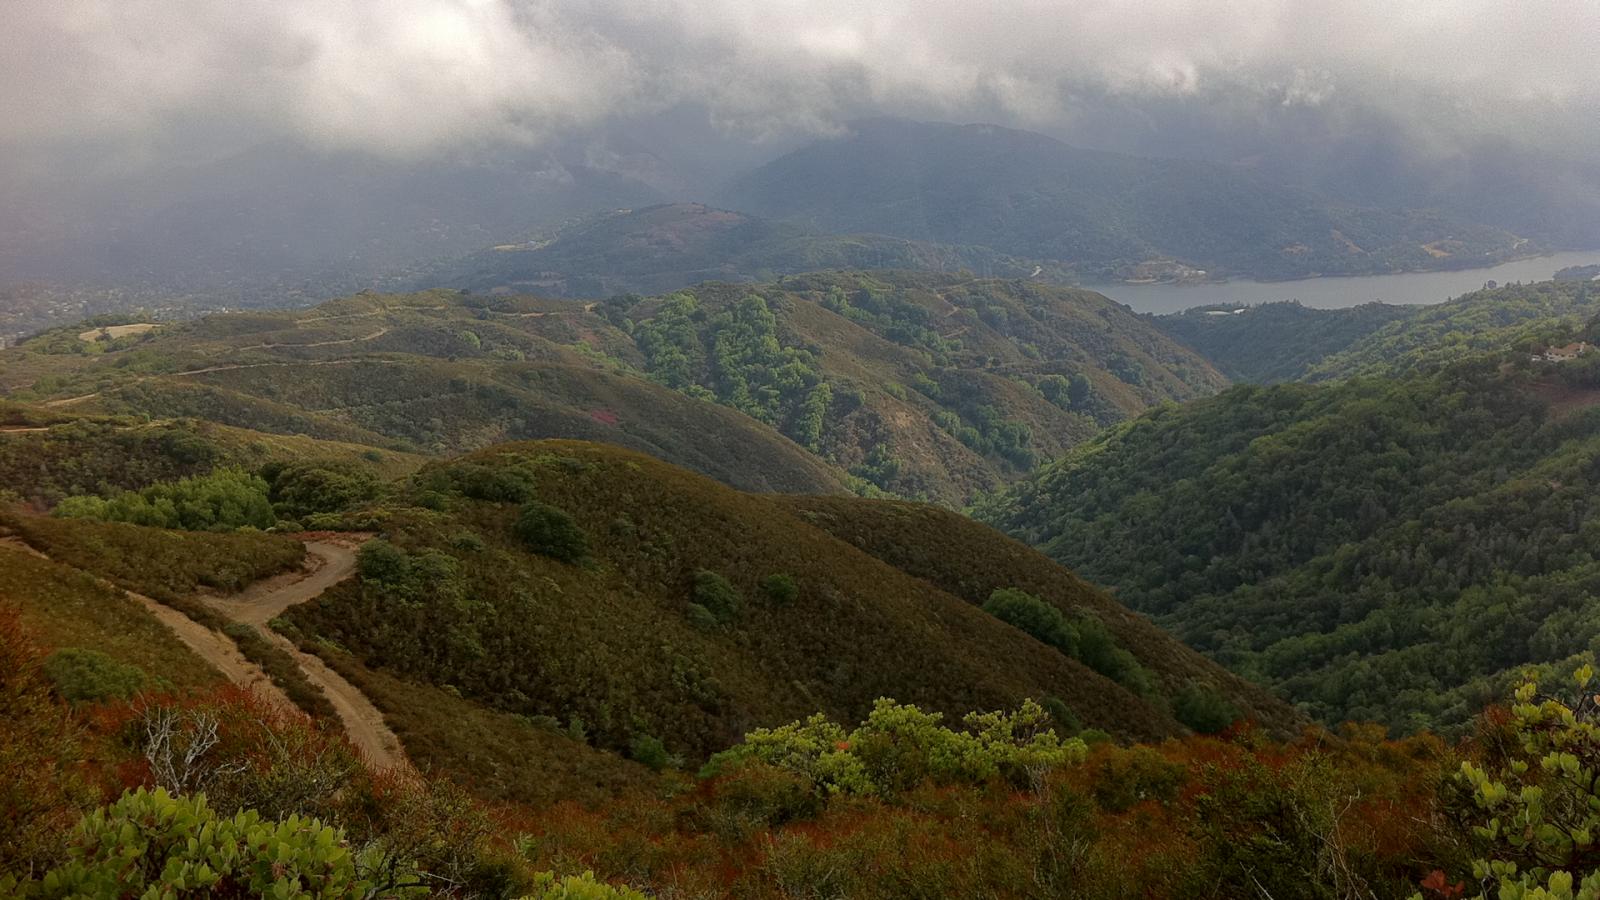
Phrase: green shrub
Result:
[224,500]
[648,749]
[88,675]
[1063,715]
[717,595]
[899,747]
[495,484]
[467,541]
[546,886]
[1203,709]
[300,489]
[551,532]
[380,561]
[1098,649]
[1033,616]
[701,618]
[152,844]
[780,588]
[1084,638]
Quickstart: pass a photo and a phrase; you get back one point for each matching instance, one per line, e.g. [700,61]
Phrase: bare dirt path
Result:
[216,649]
[68,401]
[330,561]
[369,337]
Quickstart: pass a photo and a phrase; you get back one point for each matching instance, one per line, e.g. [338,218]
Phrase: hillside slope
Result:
[47,454]
[639,638]
[1386,549]
[1032,196]
[1522,316]
[1275,342]
[935,386]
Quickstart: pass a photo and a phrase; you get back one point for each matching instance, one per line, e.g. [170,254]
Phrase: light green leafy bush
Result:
[547,886]
[1535,810]
[221,501]
[899,746]
[152,844]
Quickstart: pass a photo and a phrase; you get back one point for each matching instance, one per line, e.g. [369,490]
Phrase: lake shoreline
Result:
[1339,291]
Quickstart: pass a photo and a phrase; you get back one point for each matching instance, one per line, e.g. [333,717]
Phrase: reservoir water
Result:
[1333,293]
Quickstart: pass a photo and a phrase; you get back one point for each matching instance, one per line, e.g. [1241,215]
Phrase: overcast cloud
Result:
[418,77]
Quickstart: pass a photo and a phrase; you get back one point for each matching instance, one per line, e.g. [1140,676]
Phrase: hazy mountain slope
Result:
[939,386]
[1380,548]
[663,248]
[1275,341]
[615,642]
[1032,196]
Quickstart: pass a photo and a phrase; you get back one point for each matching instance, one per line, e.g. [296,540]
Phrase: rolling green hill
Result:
[1100,213]
[664,248]
[46,454]
[691,612]
[1518,316]
[1382,548]
[1288,342]
[924,385]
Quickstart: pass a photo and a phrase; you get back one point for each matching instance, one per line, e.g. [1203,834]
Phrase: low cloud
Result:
[411,78]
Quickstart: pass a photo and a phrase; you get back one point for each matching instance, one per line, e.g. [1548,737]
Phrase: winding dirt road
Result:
[216,649]
[328,563]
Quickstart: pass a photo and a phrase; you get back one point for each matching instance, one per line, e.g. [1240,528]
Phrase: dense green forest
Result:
[1276,342]
[1381,549]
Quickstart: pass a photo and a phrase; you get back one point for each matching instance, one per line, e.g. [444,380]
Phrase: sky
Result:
[142,80]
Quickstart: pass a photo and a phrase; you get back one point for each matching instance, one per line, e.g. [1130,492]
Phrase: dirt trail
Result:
[330,561]
[369,337]
[216,649]
[68,401]
[328,564]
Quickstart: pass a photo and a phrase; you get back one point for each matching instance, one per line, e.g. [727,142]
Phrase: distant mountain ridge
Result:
[1033,196]
[669,246]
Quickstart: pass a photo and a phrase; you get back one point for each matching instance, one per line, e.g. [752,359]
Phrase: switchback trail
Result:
[330,560]
[218,650]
